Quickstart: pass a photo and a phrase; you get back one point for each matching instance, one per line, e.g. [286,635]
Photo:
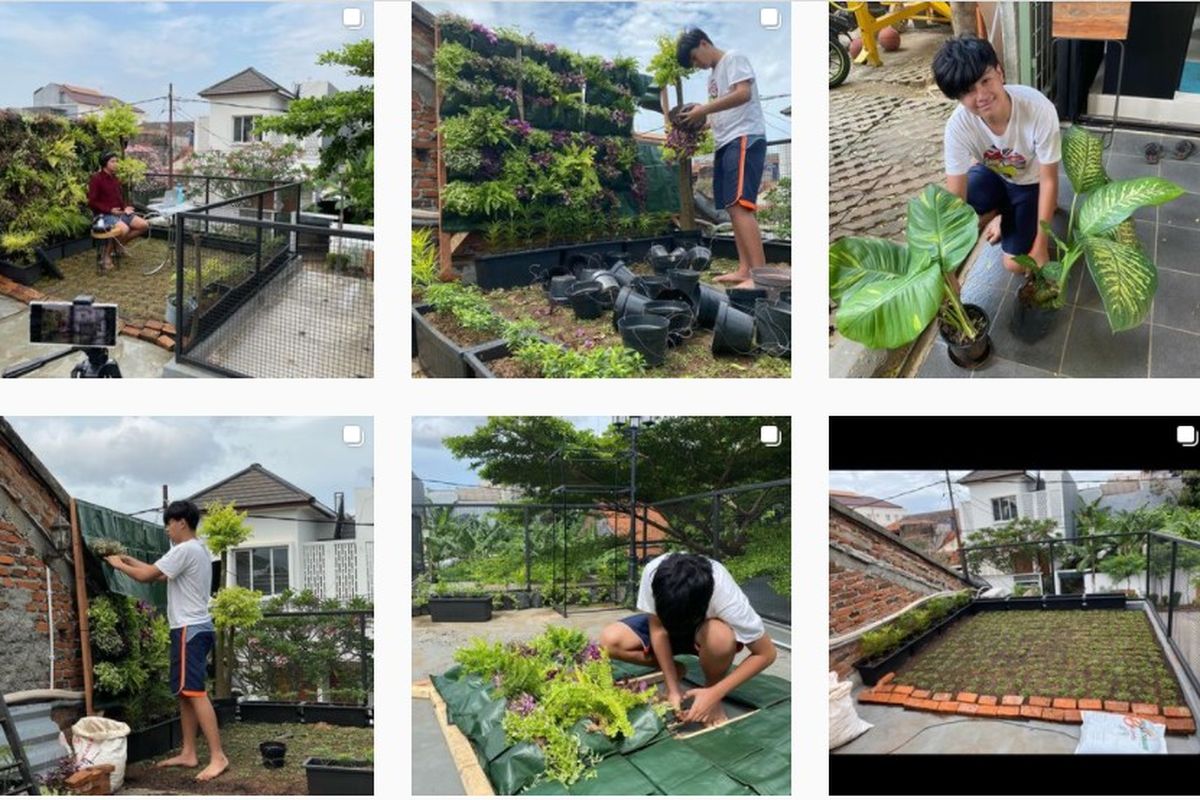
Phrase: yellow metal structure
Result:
[870,25]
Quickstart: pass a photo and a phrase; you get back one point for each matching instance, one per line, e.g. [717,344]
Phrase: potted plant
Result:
[1104,234]
[459,602]
[339,776]
[888,293]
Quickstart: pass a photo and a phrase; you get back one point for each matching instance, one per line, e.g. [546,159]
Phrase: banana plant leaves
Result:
[1113,203]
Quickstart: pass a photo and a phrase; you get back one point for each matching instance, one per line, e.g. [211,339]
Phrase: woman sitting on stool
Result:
[107,201]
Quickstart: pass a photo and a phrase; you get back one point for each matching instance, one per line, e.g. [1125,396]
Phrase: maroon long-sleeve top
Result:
[104,193]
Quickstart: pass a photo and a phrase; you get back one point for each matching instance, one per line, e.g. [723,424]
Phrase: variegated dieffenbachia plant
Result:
[1103,234]
[888,292]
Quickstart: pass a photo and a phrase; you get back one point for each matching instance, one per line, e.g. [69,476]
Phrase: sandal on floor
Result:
[1153,151]
[1184,148]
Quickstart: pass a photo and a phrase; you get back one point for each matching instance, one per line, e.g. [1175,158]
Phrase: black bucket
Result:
[744,299]
[686,281]
[773,324]
[658,257]
[652,285]
[273,754]
[711,301]
[622,273]
[587,299]
[647,334]
[587,273]
[609,285]
[698,258]
[628,302]
[560,288]
[679,317]
[1031,324]
[733,334]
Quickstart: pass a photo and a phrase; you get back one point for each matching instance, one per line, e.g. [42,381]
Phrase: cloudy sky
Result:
[133,50]
[919,491]
[629,29]
[122,462]
[434,464]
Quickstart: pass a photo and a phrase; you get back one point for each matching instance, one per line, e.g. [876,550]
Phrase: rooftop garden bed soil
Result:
[247,775]
[462,336]
[1074,654]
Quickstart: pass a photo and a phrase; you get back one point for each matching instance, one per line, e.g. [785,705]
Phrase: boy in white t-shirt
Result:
[1002,148]
[691,604]
[740,137]
[187,569]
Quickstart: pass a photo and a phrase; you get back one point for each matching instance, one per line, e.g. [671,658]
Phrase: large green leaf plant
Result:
[1103,233]
[887,292]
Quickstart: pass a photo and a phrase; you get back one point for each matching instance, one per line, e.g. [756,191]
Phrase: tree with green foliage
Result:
[117,126]
[347,120]
[222,529]
[1012,546]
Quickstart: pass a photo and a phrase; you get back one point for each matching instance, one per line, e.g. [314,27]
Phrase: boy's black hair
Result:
[683,587]
[106,157]
[185,510]
[688,41]
[960,62]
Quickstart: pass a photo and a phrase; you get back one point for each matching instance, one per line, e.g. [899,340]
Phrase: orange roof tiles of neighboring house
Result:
[648,519]
[855,500]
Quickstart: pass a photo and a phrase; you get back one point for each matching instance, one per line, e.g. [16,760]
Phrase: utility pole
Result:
[962,557]
[164,501]
[170,140]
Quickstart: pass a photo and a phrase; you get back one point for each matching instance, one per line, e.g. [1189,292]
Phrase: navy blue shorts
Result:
[737,172]
[112,219]
[640,624]
[189,662]
[1017,205]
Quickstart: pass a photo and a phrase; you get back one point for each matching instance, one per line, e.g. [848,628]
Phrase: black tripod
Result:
[96,364]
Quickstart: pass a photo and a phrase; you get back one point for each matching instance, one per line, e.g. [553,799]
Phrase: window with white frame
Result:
[1004,508]
[243,129]
[264,569]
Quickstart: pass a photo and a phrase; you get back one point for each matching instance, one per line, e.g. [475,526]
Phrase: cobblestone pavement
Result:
[885,139]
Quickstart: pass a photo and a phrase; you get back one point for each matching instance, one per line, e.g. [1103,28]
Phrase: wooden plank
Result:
[1094,21]
[81,605]
[445,266]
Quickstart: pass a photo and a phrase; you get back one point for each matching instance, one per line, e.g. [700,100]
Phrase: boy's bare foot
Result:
[733,277]
[717,717]
[215,767]
[746,284]
[179,761]
[992,231]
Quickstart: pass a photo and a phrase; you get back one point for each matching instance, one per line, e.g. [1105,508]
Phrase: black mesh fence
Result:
[268,298]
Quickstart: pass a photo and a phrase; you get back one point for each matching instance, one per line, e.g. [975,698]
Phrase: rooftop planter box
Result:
[226,708]
[350,716]
[479,359]
[268,711]
[24,274]
[336,776]
[872,670]
[510,270]
[461,609]
[777,251]
[439,356]
[152,741]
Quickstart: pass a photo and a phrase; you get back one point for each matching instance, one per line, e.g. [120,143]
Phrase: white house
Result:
[298,542]
[999,496]
[238,102]
[74,101]
[881,512]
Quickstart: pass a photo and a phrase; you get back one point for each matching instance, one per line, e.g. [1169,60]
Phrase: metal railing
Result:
[199,190]
[1159,568]
[269,298]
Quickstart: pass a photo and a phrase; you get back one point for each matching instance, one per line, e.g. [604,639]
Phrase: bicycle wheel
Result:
[839,63]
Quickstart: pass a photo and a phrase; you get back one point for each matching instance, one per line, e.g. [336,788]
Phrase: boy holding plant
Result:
[740,138]
[187,569]
[691,604]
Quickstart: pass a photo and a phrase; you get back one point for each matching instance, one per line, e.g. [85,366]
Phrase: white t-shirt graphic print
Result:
[728,602]
[1031,139]
[744,120]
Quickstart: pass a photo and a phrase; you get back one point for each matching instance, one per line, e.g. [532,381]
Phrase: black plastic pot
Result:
[335,776]
[622,273]
[658,256]
[587,300]
[647,334]
[1031,324]
[614,257]
[344,714]
[460,609]
[576,263]
[772,280]
[679,318]
[628,301]
[686,281]
[265,711]
[674,260]
[226,709]
[651,285]
[560,288]
[773,324]
[273,754]
[638,249]
[509,270]
[971,354]
[744,299]
[685,239]
[595,250]
[609,286]
[711,301]
[733,333]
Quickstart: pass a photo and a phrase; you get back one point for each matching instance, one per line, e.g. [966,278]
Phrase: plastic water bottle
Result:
[179,194]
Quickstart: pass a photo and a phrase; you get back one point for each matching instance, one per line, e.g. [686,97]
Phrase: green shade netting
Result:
[767,771]
[143,540]
[614,776]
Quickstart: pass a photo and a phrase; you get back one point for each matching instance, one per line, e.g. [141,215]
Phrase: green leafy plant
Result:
[664,66]
[130,655]
[465,303]
[106,547]
[777,208]
[1104,234]
[424,257]
[222,529]
[887,293]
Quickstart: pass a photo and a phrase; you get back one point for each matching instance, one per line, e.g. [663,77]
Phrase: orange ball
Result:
[889,39]
[855,47]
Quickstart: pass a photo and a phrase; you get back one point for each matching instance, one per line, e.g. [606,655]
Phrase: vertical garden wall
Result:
[537,142]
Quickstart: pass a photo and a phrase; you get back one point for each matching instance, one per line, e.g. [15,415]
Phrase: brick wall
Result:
[872,575]
[424,135]
[31,518]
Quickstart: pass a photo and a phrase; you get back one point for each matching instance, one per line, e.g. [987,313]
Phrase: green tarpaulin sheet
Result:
[614,776]
[766,771]
[145,541]
[669,763]
[725,745]
[709,782]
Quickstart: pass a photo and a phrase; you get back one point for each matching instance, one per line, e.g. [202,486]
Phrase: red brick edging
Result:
[1177,719]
